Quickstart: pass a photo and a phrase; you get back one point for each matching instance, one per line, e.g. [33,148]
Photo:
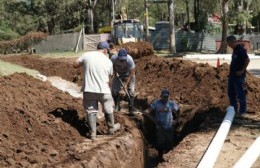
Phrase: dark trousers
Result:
[236,93]
[164,139]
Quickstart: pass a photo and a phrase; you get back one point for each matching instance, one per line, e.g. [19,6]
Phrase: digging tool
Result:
[125,89]
[127,93]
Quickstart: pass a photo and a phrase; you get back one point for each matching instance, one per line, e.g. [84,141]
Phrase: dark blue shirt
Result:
[239,58]
[163,112]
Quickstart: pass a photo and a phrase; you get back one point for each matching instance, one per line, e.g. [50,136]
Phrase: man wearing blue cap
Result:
[124,68]
[237,76]
[165,112]
[97,69]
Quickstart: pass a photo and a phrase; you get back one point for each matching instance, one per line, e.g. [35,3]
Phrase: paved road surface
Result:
[253,67]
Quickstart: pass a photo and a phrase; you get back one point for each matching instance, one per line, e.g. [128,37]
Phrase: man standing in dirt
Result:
[237,76]
[124,76]
[97,69]
[165,112]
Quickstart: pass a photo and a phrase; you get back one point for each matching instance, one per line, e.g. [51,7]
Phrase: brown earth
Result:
[44,127]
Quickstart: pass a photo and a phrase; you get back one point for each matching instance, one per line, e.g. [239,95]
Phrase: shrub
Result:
[22,43]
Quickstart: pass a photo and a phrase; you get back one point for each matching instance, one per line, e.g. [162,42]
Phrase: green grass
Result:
[7,68]
[68,54]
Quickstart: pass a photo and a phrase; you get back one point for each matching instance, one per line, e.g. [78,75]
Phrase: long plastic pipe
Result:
[250,156]
[212,153]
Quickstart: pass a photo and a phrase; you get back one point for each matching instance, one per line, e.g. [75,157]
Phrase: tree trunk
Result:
[90,27]
[51,26]
[188,14]
[223,46]
[196,14]
[171,21]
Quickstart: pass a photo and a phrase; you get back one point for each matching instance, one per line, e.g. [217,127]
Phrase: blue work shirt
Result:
[163,112]
[239,57]
[123,67]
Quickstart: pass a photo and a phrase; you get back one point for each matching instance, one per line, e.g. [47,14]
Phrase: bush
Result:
[7,33]
[22,43]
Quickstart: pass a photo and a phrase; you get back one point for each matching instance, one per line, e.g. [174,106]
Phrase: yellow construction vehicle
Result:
[128,30]
[124,30]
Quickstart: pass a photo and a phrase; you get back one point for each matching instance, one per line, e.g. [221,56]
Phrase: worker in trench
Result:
[163,112]
[97,69]
[124,78]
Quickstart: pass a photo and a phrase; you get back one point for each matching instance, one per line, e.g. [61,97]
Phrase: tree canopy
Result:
[18,17]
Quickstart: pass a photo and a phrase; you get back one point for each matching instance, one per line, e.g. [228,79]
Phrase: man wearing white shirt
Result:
[97,69]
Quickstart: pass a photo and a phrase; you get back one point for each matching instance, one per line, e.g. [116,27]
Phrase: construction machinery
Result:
[128,30]
[124,30]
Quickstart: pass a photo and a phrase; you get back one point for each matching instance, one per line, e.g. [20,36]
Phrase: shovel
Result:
[127,93]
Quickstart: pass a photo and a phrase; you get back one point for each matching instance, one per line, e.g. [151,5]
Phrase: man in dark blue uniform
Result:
[237,76]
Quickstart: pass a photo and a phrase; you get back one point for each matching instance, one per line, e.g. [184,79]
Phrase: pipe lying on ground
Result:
[213,150]
[250,156]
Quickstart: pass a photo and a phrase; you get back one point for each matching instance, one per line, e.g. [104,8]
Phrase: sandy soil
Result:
[42,126]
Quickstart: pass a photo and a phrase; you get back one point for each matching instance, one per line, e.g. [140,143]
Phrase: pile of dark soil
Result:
[40,124]
[190,83]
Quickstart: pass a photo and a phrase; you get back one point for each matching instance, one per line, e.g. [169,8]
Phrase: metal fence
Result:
[70,42]
[191,41]
[160,39]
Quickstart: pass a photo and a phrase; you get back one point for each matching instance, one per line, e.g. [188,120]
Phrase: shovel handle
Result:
[127,93]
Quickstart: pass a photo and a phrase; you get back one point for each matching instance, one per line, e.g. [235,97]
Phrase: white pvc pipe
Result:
[212,153]
[251,155]
[215,56]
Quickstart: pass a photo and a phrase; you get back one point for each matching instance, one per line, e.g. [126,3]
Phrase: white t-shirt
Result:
[97,69]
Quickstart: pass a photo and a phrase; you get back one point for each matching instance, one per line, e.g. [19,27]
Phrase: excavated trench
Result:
[135,142]
[51,123]
[133,145]
[149,154]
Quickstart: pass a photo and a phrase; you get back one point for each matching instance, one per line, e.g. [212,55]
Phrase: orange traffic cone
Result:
[218,63]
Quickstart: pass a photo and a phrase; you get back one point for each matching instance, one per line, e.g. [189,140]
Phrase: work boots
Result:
[93,125]
[131,105]
[117,102]
[112,127]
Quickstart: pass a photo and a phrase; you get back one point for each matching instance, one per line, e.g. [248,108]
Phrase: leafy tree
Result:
[241,15]
[224,10]
[256,14]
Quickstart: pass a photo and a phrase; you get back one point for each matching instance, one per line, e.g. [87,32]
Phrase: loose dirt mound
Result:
[29,133]
[42,127]
[139,49]
[50,67]
[197,85]
[187,81]
[190,83]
